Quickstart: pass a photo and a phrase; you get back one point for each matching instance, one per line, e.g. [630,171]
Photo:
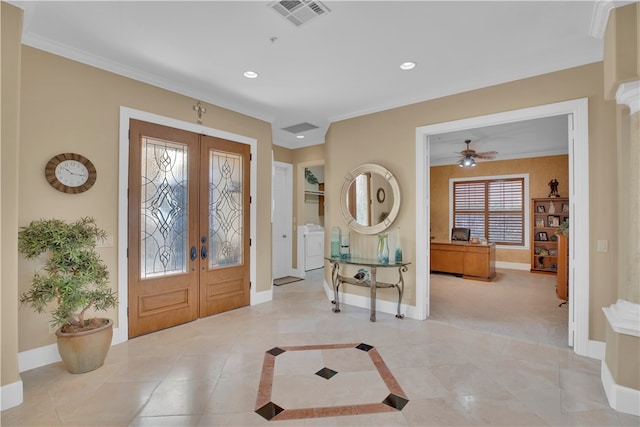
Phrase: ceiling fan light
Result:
[467,162]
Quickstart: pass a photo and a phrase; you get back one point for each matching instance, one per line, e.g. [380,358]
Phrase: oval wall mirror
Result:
[370,199]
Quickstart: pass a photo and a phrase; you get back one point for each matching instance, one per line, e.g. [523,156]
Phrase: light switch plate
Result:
[603,246]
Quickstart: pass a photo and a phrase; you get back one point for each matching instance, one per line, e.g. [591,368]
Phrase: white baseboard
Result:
[382,306]
[622,399]
[260,297]
[11,395]
[37,357]
[596,349]
[513,265]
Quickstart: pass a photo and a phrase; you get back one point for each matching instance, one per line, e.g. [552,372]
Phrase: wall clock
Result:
[70,173]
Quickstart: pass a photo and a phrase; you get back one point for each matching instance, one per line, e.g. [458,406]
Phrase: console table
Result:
[337,279]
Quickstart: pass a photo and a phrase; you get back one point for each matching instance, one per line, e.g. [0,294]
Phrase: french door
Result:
[188,236]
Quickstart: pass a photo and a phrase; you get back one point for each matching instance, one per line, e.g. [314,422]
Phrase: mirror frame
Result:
[348,180]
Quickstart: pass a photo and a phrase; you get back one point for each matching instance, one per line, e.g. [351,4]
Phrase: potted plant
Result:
[75,279]
[563,229]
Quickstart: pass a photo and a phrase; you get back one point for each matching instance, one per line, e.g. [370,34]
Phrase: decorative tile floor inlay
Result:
[326,373]
[292,381]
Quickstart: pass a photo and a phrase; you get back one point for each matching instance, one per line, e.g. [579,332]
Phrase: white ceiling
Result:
[342,64]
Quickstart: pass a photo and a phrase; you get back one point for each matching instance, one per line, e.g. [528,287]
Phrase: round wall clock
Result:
[70,173]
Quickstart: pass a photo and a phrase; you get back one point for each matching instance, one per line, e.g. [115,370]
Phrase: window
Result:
[493,209]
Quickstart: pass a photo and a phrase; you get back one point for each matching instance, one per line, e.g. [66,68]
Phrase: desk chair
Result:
[461,234]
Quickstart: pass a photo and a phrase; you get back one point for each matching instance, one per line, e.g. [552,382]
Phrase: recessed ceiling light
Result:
[407,65]
[250,74]
[300,136]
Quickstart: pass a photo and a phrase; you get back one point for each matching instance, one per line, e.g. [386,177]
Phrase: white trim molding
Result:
[577,112]
[629,94]
[11,395]
[624,317]
[600,16]
[126,113]
[622,399]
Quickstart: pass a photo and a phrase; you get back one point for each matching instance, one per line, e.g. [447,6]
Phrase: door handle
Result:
[194,253]
[203,249]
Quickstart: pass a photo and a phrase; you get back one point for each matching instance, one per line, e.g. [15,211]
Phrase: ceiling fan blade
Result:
[490,155]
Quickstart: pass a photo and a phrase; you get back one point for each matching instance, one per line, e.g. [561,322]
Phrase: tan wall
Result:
[621,51]
[622,355]
[72,107]
[388,138]
[541,170]
[281,154]
[10,121]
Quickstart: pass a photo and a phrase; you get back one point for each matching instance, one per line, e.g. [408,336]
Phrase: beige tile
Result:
[499,412]
[468,380]
[419,383]
[166,421]
[113,404]
[179,398]
[464,373]
[437,412]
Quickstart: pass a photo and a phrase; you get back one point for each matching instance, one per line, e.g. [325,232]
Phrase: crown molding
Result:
[629,94]
[600,16]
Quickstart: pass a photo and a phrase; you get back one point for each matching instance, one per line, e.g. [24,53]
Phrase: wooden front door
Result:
[188,238]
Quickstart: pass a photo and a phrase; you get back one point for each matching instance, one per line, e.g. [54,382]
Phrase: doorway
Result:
[578,193]
[282,220]
[188,226]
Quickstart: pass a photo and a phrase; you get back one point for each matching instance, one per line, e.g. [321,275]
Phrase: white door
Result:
[282,224]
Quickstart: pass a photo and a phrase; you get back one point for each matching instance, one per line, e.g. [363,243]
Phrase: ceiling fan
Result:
[469,156]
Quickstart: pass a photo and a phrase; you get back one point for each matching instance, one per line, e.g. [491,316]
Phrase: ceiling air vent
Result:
[301,127]
[299,12]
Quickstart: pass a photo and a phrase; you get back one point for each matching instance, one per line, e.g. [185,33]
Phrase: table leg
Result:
[372,284]
[400,287]
[335,284]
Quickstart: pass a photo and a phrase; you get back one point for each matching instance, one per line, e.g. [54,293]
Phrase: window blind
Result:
[492,209]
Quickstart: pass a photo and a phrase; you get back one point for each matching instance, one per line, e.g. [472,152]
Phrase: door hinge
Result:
[250,200]
[127,252]
[129,135]
[249,285]
[249,242]
[250,156]
[127,312]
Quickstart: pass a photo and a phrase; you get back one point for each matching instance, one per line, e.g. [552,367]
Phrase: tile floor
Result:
[212,372]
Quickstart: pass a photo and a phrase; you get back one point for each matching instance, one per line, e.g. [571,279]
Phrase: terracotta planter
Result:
[85,351]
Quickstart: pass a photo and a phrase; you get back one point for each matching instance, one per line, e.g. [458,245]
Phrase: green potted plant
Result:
[563,229]
[75,279]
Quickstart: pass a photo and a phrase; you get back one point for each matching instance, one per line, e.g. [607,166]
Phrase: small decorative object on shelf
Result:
[552,207]
[335,241]
[553,185]
[398,242]
[344,246]
[383,248]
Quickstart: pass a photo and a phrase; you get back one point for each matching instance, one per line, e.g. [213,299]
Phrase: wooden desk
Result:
[373,284]
[471,261]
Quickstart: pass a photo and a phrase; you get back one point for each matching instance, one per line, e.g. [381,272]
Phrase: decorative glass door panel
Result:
[226,205]
[164,208]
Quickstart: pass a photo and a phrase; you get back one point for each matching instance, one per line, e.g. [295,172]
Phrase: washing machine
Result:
[313,246]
